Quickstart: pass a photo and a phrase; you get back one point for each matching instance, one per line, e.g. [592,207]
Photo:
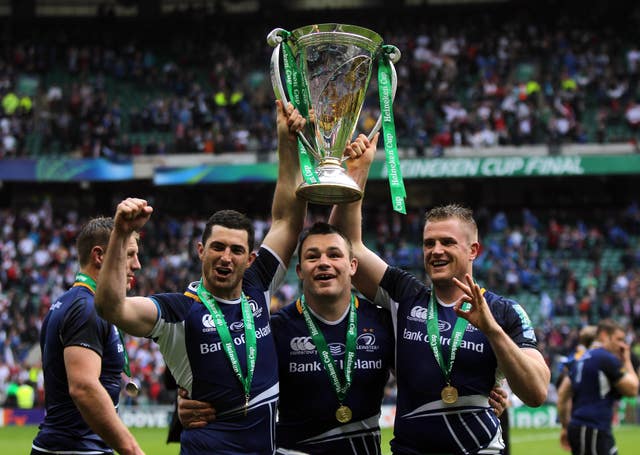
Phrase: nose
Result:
[226,255]
[324,260]
[437,248]
[135,263]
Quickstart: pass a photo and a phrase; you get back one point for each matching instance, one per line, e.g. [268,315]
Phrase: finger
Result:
[374,140]
[461,285]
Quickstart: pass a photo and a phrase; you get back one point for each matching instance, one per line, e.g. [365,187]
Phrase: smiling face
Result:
[449,246]
[326,267]
[225,257]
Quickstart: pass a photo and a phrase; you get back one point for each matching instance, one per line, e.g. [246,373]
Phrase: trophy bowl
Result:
[331,65]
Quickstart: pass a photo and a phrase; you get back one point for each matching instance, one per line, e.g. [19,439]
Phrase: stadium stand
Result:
[484,77]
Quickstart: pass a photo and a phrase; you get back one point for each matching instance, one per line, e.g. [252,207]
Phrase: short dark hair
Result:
[322,228]
[609,326]
[230,219]
[95,232]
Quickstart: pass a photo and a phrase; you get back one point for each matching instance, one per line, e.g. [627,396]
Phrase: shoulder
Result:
[284,314]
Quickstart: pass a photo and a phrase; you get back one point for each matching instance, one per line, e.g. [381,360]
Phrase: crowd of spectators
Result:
[525,255]
[479,79]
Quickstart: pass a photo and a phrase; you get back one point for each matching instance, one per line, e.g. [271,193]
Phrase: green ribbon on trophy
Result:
[343,413]
[299,95]
[449,393]
[227,342]
[396,183]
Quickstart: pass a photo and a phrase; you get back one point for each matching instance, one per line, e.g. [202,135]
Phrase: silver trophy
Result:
[327,67]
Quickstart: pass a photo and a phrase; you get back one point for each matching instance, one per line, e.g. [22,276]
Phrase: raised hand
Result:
[132,214]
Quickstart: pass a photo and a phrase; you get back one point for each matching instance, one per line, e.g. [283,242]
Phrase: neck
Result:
[328,309]
[91,272]
[221,293]
[447,294]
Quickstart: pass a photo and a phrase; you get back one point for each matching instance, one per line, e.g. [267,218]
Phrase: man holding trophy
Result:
[330,402]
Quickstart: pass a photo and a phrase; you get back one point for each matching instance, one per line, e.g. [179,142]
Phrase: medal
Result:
[343,414]
[449,394]
[131,389]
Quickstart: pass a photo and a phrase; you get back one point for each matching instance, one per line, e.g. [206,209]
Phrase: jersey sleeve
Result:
[267,272]
[82,327]
[516,323]
[399,286]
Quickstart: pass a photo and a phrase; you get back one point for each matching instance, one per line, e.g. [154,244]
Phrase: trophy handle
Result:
[394,55]
[275,39]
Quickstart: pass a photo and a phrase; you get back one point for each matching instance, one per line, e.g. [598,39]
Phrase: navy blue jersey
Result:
[193,352]
[424,423]
[72,321]
[593,376]
[308,402]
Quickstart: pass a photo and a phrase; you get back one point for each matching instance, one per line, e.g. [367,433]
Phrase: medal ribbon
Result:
[323,349]
[396,183]
[82,279]
[299,96]
[225,336]
[433,332]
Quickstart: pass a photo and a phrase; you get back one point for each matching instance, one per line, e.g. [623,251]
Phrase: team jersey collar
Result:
[84,280]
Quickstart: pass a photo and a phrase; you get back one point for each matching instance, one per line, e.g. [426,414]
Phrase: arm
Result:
[627,385]
[287,211]
[136,315]
[564,409]
[524,368]
[83,368]
[348,218]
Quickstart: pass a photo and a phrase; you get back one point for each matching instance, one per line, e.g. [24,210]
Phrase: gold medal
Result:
[449,394]
[131,389]
[343,414]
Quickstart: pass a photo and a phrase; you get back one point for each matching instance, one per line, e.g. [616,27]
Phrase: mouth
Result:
[223,271]
[440,263]
[323,277]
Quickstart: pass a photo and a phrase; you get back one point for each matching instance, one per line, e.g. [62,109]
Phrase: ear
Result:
[200,249]
[475,250]
[299,271]
[252,257]
[354,266]
[97,255]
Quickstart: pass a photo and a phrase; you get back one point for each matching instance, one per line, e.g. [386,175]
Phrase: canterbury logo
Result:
[419,312]
[207,321]
[302,344]
[305,344]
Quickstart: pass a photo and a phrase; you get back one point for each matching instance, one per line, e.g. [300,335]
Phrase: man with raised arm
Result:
[215,337]
[454,341]
[595,381]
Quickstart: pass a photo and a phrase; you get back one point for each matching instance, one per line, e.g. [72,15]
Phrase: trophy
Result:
[327,68]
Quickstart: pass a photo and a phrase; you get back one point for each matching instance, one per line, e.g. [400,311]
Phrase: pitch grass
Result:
[17,440]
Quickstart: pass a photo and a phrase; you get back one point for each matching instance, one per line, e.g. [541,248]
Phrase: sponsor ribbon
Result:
[299,96]
[227,343]
[396,183]
[433,332]
[324,353]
